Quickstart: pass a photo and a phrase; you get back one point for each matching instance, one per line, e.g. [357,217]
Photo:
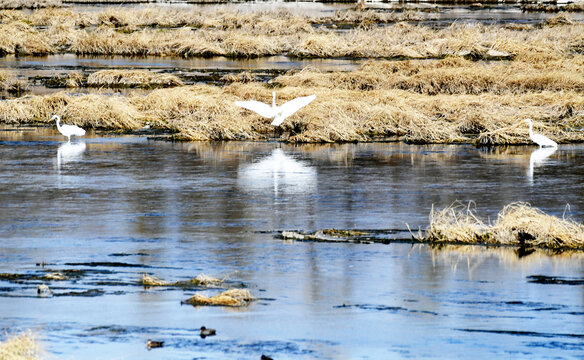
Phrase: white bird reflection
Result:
[69,152]
[537,158]
[278,171]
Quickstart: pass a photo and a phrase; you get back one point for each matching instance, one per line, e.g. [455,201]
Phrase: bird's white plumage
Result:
[261,108]
[278,113]
[541,140]
[68,130]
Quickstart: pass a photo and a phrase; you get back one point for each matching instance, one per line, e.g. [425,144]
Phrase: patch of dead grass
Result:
[517,224]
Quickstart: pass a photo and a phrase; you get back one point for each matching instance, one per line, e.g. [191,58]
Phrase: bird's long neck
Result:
[58,122]
[273,99]
[530,129]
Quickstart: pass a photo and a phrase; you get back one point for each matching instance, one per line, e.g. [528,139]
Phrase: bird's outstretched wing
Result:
[291,107]
[264,110]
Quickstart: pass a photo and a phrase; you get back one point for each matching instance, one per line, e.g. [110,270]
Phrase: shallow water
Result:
[103,210]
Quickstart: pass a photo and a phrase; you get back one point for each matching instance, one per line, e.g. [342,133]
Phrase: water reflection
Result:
[175,210]
[538,158]
[467,258]
[70,152]
[279,172]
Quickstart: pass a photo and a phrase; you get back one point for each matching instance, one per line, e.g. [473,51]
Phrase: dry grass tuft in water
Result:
[456,223]
[517,224]
[132,78]
[21,347]
[232,297]
[151,280]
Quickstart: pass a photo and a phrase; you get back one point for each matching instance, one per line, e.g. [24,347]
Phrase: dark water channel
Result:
[103,210]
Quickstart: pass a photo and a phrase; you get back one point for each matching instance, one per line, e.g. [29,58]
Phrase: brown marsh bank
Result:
[337,115]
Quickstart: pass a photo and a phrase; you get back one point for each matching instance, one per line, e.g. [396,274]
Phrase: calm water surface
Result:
[104,210]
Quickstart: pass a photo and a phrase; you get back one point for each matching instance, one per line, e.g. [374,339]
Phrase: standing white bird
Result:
[278,113]
[68,130]
[541,140]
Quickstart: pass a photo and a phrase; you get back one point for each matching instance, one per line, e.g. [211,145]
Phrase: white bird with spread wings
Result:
[278,113]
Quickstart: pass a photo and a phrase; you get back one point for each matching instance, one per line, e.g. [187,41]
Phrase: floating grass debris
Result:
[21,347]
[201,280]
[232,297]
[517,224]
[150,280]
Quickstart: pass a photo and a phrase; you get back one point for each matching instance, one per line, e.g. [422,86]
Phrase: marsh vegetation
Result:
[466,82]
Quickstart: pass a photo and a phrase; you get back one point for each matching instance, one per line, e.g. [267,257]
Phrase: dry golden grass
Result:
[132,78]
[29,4]
[183,33]
[517,224]
[17,37]
[232,297]
[277,22]
[453,75]
[21,347]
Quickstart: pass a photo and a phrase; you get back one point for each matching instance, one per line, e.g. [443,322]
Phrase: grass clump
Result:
[517,224]
[21,347]
[232,297]
[132,78]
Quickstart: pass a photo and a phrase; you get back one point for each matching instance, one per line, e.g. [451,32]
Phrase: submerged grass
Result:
[21,347]
[517,224]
